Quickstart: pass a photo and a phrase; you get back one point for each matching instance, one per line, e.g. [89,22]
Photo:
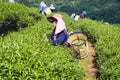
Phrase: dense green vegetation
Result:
[107,48]
[25,54]
[106,10]
[15,16]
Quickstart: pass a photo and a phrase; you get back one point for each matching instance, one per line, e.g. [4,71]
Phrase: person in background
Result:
[83,15]
[42,6]
[72,16]
[52,7]
[59,34]
[106,23]
[77,17]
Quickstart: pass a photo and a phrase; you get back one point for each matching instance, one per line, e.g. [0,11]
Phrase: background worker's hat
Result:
[52,6]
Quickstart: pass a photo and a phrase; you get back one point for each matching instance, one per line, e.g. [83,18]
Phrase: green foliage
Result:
[15,16]
[107,47]
[106,42]
[25,55]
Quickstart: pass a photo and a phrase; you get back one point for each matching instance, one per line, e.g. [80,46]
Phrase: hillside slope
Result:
[26,55]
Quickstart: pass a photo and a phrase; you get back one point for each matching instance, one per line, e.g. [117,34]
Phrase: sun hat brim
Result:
[51,19]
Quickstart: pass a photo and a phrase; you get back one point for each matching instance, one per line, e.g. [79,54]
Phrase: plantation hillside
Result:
[25,54]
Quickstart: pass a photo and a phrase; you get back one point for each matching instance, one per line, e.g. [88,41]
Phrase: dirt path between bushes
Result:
[89,64]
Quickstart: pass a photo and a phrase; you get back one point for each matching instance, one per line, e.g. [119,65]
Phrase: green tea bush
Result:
[106,40]
[25,55]
[107,47]
[15,16]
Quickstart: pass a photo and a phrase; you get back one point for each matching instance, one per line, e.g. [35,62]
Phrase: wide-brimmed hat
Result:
[55,17]
[51,19]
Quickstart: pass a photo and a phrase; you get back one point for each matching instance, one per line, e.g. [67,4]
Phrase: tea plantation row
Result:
[25,55]
[106,39]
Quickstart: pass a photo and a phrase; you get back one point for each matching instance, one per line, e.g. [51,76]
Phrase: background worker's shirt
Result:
[42,8]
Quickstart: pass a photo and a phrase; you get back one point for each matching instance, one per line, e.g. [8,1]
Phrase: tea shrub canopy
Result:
[26,55]
[15,16]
